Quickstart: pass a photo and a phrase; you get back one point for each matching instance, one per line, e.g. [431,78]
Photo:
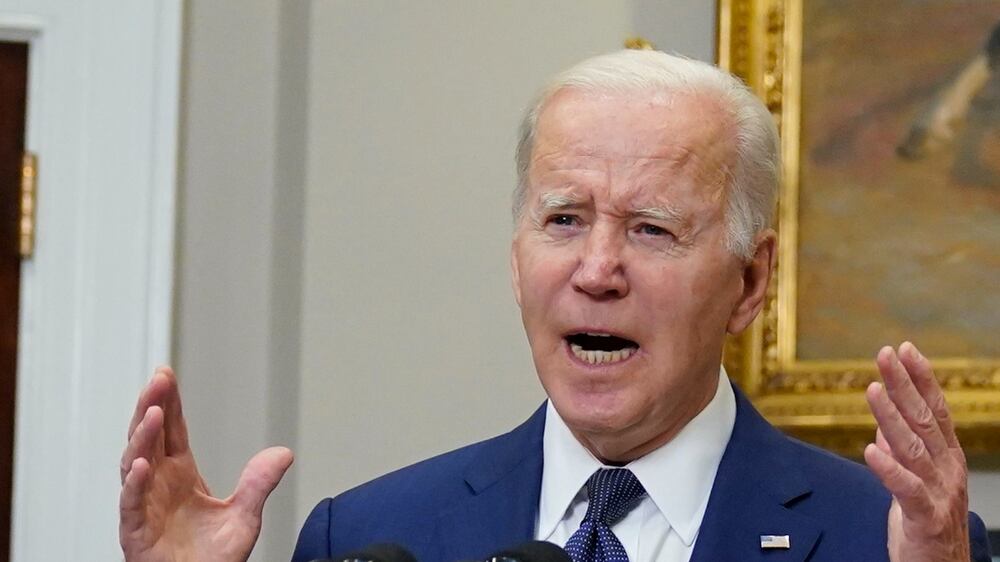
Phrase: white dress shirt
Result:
[677,477]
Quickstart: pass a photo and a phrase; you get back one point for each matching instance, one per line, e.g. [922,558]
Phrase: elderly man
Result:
[646,186]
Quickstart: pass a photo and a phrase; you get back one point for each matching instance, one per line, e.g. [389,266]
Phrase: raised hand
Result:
[918,458]
[166,511]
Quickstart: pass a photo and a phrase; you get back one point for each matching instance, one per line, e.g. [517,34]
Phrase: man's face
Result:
[620,264]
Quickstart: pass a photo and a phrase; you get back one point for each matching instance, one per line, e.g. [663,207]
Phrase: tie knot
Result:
[611,492]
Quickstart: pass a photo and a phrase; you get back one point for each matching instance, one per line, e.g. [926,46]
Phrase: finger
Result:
[927,385]
[131,501]
[175,427]
[905,446]
[908,489]
[145,442]
[910,404]
[154,393]
[881,443]
[259,478]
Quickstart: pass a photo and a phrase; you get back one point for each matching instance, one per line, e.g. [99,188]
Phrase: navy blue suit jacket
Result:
[469,503]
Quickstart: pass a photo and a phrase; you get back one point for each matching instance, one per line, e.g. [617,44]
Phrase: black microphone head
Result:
[534,551]
[380,552]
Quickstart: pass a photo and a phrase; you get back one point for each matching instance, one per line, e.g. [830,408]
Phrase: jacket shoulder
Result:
[402,506]
[838,482]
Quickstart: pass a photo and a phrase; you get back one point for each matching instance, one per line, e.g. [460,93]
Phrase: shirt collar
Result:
[678,476]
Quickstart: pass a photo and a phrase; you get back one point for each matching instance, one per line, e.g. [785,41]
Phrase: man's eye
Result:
[562,220]
[652,230]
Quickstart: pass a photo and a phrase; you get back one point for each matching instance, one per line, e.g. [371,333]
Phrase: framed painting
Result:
[889,212]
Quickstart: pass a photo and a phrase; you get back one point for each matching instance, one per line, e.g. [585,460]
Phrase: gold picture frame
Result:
[821,401]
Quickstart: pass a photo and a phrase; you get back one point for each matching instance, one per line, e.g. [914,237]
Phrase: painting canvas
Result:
[889,210]
[899,198]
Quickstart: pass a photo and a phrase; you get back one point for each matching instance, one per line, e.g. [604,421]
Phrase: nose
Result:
[600,272]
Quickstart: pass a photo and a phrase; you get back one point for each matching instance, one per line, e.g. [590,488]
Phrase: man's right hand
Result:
[166,510]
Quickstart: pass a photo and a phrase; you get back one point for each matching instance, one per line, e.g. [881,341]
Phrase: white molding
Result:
[20,27]
[96,298]
[29,28]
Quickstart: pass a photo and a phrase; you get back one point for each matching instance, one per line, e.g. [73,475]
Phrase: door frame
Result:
[96,297]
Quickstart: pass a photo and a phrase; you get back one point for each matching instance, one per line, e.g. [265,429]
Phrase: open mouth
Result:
[597,349]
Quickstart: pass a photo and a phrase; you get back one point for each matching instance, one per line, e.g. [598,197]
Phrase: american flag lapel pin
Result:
[774,541]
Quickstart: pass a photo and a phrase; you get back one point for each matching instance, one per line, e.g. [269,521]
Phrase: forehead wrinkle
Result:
[702,172]
[565,171]
[565,155]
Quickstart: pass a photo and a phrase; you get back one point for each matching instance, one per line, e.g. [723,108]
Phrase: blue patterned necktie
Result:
[612,492]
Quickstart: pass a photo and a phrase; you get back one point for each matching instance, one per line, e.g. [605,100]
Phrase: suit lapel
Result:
[504,480]
[756,484]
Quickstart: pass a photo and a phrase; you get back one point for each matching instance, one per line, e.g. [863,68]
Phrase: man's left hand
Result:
[917,456]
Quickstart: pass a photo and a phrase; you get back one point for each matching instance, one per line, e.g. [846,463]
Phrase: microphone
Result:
[380,552]
[534,551]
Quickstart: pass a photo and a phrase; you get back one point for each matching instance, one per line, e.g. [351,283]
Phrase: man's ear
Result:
[515,273]
[756,276]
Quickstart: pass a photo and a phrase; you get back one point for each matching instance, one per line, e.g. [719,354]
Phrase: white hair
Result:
[753,184]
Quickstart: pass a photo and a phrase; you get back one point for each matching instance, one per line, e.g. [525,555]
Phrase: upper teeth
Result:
[598,335]
[596,356]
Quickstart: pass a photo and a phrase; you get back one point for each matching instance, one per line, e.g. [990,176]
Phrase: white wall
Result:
[343,279]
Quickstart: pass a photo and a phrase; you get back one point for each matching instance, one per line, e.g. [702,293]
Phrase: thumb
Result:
[259,478]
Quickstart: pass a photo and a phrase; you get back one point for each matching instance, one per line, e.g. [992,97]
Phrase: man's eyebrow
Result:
[557,201]
[665,213]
